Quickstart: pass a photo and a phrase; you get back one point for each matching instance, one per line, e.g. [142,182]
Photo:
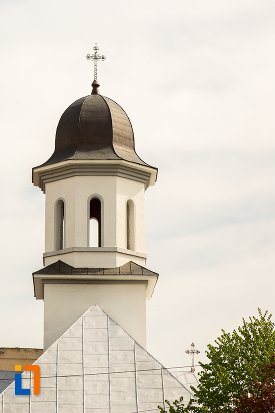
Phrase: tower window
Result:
[95,223]
[130,225]
[59,225]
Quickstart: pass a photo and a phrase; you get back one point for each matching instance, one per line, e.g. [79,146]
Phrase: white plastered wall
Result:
[130,190]
[124,302]
[76,192]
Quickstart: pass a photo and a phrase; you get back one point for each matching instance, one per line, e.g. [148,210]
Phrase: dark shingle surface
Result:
[6,378]
[60,267]
[94,128]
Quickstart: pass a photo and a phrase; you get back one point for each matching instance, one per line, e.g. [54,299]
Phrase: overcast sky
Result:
[196,78]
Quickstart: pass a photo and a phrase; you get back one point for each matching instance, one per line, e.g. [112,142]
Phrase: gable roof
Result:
[96,367]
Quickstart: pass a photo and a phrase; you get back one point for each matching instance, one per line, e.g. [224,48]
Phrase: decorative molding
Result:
[39,280]
[62,273]
[94,249]
[68,170]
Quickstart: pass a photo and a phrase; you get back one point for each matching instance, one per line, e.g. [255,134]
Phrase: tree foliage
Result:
[235,363]
[235,366]
[178,407]
[262,397]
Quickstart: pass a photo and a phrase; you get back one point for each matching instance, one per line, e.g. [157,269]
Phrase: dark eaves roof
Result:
[94,127]
[60,267]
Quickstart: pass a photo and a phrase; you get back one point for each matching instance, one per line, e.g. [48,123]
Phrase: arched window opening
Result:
[95,223]
[130,226]
[60,225]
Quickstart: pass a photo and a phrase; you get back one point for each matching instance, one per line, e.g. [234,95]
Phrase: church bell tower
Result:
[94,185]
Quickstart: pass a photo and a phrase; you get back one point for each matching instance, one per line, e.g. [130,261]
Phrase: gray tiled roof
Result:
[96,367]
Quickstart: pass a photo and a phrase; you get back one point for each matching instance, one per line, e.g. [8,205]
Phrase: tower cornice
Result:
[41,175]
[62,273]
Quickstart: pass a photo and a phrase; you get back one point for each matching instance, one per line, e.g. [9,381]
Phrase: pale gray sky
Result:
[196,78]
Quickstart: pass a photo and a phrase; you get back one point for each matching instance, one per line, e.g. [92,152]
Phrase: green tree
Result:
[262,397]
[235,365]
[178,407]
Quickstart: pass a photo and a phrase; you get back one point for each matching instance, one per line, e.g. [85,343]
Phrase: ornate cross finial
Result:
[95,57]
[192,351]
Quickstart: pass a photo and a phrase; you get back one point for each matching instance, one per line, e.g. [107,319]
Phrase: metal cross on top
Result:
[192,351]
[95,57]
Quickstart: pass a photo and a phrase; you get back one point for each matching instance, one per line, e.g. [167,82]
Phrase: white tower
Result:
[94,185]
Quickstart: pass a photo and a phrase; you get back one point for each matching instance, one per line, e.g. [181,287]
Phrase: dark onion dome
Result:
[94,128]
